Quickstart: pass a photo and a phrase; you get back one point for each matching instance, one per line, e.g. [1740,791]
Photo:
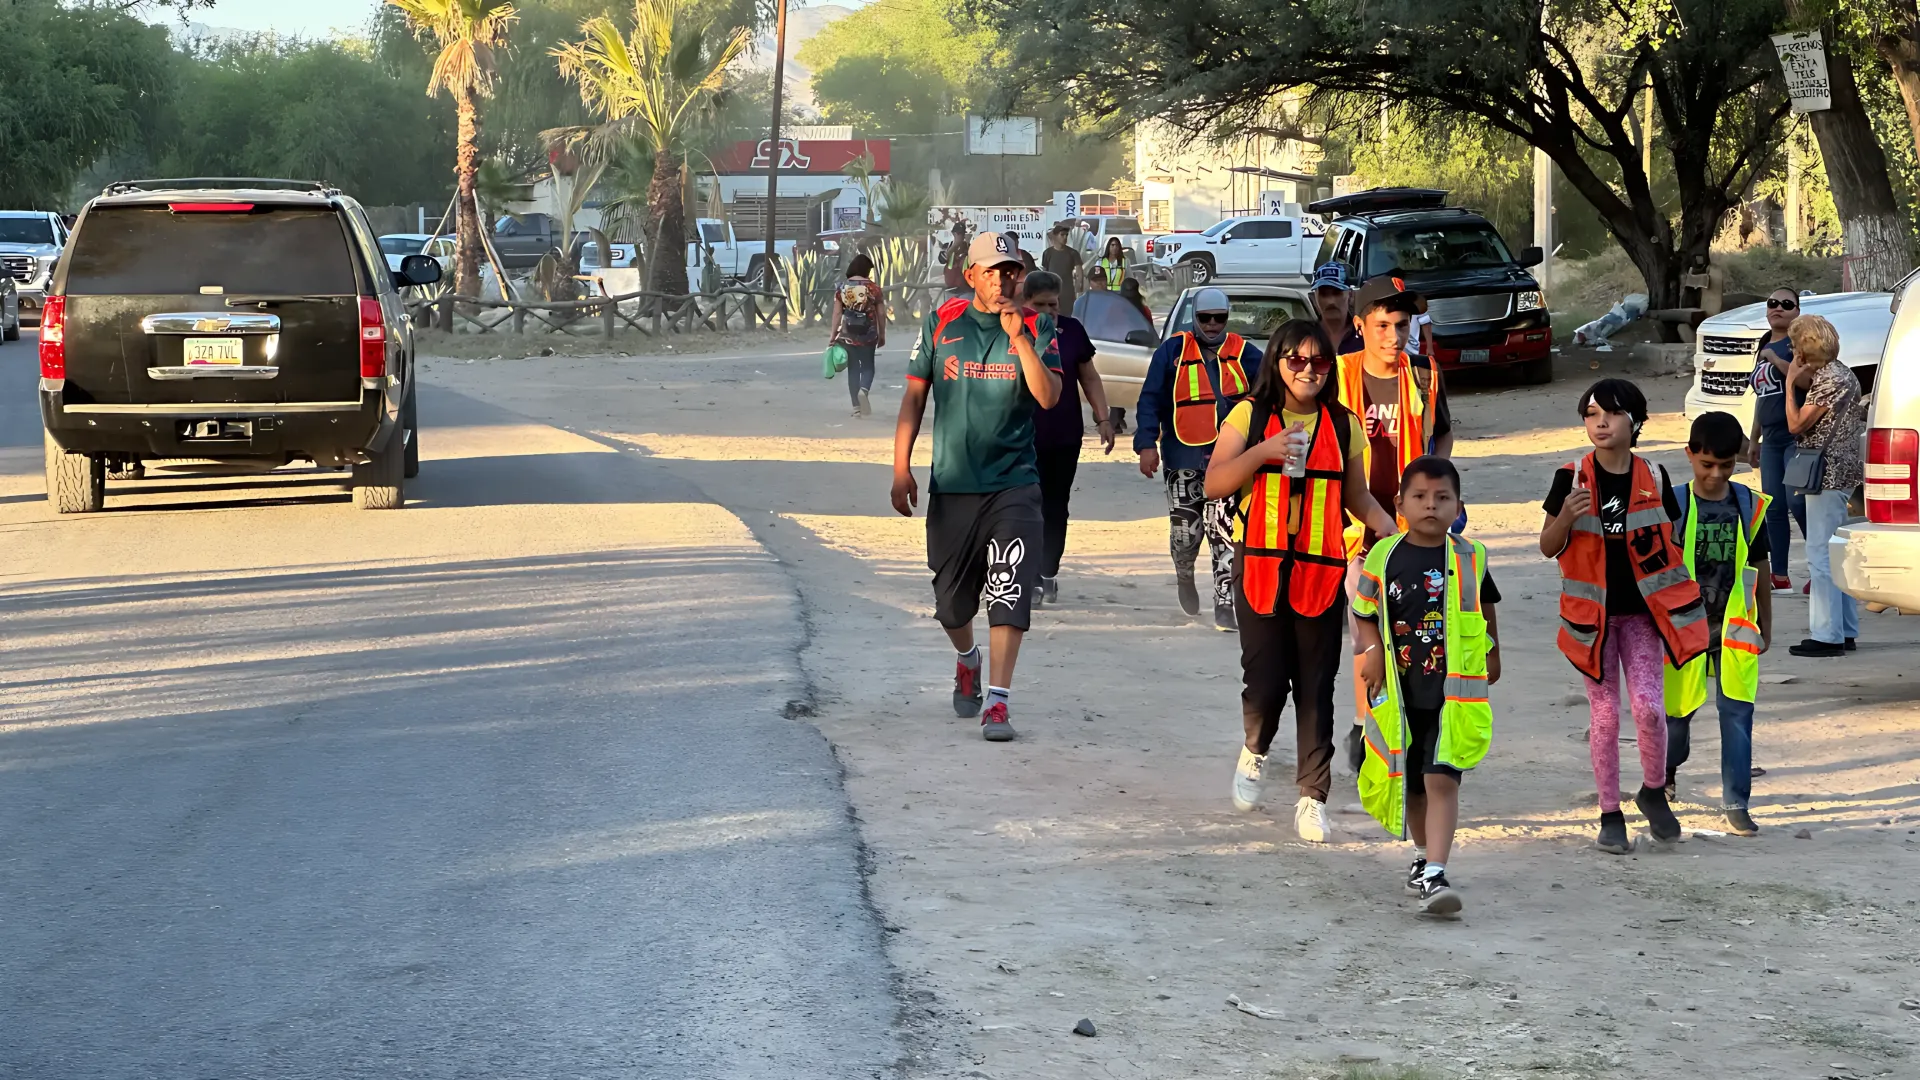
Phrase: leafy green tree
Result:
[76,84]
[895,67]
[1559,75]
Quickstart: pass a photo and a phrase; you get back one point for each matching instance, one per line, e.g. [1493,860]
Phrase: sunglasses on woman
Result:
[1782,305]
[1301,362]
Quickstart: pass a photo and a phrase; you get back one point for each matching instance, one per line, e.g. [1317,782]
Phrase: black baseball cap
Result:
[1388,289]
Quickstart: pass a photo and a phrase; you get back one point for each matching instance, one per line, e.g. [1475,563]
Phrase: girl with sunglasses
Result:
[1772,440]
[1292,456]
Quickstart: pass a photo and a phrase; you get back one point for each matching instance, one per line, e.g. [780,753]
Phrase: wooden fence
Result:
[655,314]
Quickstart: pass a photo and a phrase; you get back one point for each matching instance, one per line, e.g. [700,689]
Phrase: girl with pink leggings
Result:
[1627,602]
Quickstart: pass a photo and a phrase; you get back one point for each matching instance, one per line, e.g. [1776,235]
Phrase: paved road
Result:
[497,786]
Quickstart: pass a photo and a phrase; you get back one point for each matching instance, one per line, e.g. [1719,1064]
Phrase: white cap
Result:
[1211,300]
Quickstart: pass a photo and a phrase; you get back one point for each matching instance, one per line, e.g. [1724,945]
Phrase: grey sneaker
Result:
[866,407]
[967,694]
[994,726]
[1050,590]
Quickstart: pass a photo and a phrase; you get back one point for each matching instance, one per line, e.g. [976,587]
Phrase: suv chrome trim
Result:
[210,322]
[218,409]
[214,371]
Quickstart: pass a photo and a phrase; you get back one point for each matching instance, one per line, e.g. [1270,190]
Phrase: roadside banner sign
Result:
[1803,60]
[1274,203]
[1066,204]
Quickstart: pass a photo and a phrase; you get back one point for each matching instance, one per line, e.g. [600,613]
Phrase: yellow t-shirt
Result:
[1241,420]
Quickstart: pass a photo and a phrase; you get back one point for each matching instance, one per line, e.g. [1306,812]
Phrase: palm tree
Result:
[468,33]
[661,85]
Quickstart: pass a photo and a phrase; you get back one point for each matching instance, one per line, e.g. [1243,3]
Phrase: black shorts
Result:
[985,546]
[1424,726]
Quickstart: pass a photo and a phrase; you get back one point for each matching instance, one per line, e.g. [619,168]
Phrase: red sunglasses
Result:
[1299,362]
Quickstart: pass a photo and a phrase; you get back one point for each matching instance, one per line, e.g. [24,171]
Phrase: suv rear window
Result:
[150,250]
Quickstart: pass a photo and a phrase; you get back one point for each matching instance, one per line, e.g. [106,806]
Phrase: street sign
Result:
[1274,203]
[1803,60]
[1066,204]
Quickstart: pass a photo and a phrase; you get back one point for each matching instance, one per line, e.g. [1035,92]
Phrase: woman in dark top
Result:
[859,324]
[1057,432]
[1772,441]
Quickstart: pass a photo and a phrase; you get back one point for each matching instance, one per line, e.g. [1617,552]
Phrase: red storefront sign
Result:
[802,155]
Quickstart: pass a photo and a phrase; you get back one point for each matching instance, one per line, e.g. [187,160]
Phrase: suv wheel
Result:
[1202,269]
[410,420]
[13,327]
[380,484]
[76,483]
[1537,372]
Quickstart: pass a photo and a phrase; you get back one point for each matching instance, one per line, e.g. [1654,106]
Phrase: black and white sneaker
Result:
[1050,589]
[1437,897]
[1415,871]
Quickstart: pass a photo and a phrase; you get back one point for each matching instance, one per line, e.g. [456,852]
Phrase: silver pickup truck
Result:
[1124,339]
[31,242]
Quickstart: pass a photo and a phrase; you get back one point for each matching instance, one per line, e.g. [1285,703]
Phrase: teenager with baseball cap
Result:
[987,365]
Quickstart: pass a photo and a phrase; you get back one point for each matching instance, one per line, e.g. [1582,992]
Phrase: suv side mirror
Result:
[1532,256]
[1146,339]
[417,270]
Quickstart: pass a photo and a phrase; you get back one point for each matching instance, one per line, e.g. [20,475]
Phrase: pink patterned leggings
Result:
[1632,643]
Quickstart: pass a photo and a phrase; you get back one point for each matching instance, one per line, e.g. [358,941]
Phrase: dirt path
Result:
[1095,868]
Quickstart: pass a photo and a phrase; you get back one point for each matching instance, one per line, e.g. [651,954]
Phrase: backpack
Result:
[856,323]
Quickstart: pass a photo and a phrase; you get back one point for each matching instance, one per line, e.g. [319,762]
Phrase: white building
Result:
[1190,183]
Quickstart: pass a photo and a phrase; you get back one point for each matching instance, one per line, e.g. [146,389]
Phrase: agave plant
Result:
[898,260]
[805,275]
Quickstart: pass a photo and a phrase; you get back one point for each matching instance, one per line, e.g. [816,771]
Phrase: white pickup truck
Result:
[1263,247]
[737,261]
[1124,339]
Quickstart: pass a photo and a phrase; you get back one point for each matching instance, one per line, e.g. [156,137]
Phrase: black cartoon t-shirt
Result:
[1416,584]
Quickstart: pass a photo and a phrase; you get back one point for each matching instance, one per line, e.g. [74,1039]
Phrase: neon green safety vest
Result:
[1740,640]
[1466,719]
[1115,270]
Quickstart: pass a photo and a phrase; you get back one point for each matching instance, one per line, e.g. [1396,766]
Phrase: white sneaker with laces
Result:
[1310,820]
[1246,780]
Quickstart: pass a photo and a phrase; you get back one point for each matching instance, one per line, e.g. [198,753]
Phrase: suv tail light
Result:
[53,338]
[1893,458]
[373,339]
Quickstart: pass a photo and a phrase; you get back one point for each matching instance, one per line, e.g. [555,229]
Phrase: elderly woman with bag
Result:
[1826,465]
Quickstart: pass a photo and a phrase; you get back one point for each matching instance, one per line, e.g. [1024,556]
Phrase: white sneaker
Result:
[1246,780]
[1310,820]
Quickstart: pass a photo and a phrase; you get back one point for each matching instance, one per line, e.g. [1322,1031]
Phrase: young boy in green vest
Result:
[1425,597]
[1724,538]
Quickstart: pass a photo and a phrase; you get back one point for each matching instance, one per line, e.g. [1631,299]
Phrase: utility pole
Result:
[773,155]
[1646,134]
[1543,216]
[1793,190]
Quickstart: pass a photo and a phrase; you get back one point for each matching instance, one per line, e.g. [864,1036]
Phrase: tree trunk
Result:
[466,214]
[667,208]
[1872,229]
[1901,51]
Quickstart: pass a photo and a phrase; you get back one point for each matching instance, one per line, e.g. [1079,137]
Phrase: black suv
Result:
[243,321]
[1486,309]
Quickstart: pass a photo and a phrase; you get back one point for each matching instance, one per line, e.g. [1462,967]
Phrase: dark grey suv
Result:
[243,321]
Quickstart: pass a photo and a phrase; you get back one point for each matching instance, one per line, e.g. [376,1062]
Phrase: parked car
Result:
[252,324]
[30,245]
[1486,309]
[1123,339]
[9,309]
[1878,560]
[522,241]
[397,246]
[1724,347]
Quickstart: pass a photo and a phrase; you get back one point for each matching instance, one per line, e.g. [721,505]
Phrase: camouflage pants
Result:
[1194,516]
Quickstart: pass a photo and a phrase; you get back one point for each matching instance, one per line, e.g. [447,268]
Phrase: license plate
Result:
[1475,356]
[212,350]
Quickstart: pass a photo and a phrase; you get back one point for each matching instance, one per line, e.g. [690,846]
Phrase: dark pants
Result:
[859,370]
[1058,464]
[978,547]
[1774,448]
[1287,653]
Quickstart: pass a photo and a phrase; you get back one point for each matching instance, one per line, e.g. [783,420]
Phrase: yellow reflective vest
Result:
[1740,639]
[1466,718]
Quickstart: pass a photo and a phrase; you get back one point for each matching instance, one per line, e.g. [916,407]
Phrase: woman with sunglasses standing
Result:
[1772,440]
[1294,458]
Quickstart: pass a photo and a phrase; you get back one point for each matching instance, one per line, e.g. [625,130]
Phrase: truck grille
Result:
[17,267]
[1729,346]
[1723,383]
[1470,309]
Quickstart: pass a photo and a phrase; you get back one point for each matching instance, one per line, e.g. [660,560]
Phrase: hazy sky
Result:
[314,18]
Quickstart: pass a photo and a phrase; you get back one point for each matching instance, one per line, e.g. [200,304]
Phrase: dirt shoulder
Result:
[1095,868]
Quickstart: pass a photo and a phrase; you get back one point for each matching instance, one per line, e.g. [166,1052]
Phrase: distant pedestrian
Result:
[1096,278]
[1058,430]
[1332,298]
[1026,258]
[1289,457]
[1064,263]
[988,368]
[955,256]
[1113,262]
[1771,437]
[859,325]
[1130,290]
[1626,599]
[1827,424]
[1193,381]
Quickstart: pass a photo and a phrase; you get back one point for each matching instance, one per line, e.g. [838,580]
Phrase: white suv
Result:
[1878,560]
[1724,347]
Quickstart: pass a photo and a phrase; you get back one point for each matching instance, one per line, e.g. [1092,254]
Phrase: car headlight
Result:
[1530,300]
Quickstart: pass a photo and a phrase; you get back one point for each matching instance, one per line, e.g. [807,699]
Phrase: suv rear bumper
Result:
[1878,563]
[329,429]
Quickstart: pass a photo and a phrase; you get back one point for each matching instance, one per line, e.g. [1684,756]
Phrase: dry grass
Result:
[1585,289]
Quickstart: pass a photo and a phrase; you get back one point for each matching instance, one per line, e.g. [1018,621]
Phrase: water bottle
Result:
[1297,444]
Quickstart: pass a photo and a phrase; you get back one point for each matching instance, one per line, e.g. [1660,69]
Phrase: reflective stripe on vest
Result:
[1196,408]
[1740,638]
[1659,569]
[1353,394]
[1316,553]
[1466,717]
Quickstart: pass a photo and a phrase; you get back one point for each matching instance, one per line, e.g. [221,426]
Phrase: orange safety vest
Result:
[1196,416]
[1317,551]
[1353,394]
[1659,567]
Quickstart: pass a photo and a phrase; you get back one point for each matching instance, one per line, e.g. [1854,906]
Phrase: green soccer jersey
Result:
[982,409]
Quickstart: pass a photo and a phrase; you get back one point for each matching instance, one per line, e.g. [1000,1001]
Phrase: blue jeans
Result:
[1774,447]
[1736,745]
[1834,616]
[859,370]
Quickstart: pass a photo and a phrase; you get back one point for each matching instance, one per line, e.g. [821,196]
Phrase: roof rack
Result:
[1375,200]
[201,183]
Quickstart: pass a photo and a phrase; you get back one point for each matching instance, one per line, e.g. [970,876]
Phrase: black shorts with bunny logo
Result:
[985,549]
